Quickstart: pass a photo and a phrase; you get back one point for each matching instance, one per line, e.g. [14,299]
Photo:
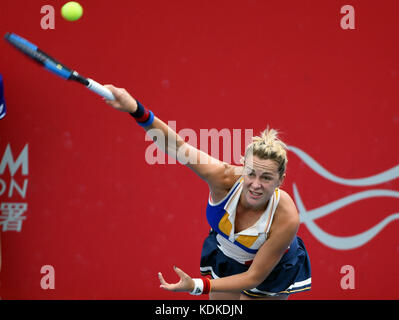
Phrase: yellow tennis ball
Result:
[72,11]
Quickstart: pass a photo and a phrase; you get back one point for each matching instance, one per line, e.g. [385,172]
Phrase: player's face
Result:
[261,178]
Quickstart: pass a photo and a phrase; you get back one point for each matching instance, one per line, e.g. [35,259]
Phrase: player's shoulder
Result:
[226,175]
[223,179]
[286,208]
[285,198]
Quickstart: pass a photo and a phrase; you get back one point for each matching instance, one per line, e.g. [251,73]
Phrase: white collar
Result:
[259,226]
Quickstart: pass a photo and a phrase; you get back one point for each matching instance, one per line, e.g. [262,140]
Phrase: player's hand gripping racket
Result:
[54,66]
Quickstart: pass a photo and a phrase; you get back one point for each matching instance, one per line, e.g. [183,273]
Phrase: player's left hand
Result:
[186,283]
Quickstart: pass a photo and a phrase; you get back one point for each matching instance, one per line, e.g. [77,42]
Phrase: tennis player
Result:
[252,250]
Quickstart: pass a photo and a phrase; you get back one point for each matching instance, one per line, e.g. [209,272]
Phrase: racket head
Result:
[3,109]
[33,52]
[48,62]
[25,47]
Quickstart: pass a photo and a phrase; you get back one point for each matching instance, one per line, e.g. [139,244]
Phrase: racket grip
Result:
[100,89]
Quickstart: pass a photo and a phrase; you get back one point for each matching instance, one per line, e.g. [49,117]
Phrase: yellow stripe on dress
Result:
[247,241]
[225,224]
[297,290]
[260,295]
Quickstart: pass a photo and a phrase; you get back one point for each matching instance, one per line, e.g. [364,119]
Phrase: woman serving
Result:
[252,250]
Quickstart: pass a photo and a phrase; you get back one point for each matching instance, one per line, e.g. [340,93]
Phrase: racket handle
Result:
[100,89]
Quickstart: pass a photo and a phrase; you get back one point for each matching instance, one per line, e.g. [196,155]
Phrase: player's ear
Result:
[281,180]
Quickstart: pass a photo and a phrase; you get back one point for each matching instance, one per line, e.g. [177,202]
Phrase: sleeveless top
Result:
[241,246]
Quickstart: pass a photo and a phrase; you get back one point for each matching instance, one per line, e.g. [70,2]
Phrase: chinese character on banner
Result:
[11,216]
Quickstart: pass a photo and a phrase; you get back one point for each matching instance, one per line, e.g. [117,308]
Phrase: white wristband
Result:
[198,287]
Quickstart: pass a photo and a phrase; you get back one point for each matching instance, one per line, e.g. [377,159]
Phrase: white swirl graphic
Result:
[385,176]
[308,217]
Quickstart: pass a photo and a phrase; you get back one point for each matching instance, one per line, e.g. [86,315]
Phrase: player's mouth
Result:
[255,195]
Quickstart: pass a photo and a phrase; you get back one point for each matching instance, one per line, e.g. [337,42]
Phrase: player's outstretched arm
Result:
[218,174]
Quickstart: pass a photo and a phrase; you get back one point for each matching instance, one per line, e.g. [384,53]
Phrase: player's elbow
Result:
[253,279]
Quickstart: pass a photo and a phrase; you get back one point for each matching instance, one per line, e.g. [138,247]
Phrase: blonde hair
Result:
[269,146]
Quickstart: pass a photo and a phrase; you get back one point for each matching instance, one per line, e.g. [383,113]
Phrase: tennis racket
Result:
[54,66]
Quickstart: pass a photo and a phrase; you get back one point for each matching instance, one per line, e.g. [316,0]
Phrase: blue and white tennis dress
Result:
[226,253]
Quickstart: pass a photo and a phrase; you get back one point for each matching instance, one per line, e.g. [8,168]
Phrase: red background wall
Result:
[107,221]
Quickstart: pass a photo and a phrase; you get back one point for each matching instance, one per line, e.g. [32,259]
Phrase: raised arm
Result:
[219,175]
